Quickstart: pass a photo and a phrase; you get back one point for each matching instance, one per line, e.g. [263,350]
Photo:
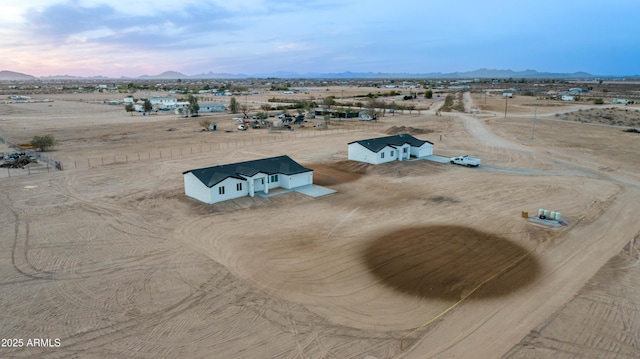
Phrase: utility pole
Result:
[485,97]
[506,99]
[533,127]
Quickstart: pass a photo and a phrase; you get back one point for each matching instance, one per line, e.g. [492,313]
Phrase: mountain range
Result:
[173,75]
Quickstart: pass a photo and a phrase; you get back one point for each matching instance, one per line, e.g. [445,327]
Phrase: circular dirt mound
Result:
[394,130]
[448,262]
[331,174]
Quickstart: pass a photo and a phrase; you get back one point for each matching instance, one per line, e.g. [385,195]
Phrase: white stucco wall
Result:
[196,189]
[385,155]
[297,180]
[425,150]
[230,190]
[357,152]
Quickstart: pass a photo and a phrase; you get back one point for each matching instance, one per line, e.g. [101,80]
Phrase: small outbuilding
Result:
[220,183]
[390,148]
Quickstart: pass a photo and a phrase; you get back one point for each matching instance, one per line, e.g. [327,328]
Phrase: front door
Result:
[258,184]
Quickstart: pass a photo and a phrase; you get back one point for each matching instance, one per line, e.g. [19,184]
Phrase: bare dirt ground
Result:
[407,260]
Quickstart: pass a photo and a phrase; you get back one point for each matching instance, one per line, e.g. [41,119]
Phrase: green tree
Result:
[129,107]
[43,143]
[147,105]
[194,108]
[233,105]
[428,94]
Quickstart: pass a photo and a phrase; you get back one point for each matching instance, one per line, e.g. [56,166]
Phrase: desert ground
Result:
[413,259]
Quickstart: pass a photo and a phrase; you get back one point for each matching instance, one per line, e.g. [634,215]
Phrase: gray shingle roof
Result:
[211,176]
[378,143]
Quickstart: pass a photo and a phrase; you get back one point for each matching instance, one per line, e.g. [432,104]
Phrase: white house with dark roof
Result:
[390,148]
[163,102]
[225,182]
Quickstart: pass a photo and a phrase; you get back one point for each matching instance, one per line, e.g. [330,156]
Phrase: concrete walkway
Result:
[314,191]
[435,158]
[310,190]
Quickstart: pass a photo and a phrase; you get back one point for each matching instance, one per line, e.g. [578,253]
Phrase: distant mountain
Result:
[167,75]
[12,76]
[480,73]
[212,75]
[528,74]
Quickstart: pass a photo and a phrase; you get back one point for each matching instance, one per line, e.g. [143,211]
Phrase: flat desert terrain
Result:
[413,259]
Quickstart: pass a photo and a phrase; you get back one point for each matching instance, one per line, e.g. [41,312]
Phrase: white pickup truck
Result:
[465,161]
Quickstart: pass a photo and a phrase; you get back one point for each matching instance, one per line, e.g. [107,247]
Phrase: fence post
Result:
[28,170]
[75,164]
[8,172]
[126,158]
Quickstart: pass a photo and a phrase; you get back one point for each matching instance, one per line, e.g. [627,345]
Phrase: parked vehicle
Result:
[465,161]
[242,127]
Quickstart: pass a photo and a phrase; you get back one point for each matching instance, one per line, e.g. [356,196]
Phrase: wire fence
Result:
[247,139]
[44,163]
[27,170]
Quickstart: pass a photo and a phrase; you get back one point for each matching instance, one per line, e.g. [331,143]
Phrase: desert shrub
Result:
[204,123]
[448,104]
[42,143]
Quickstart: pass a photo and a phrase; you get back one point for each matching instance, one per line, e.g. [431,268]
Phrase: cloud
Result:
[71,22]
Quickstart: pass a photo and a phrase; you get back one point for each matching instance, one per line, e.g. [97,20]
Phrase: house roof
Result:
[378,143]
[210,176]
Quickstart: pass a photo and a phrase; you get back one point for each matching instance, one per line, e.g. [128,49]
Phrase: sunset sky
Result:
[147,37]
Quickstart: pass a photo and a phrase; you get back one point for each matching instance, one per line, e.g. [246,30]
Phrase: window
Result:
[274,178]
[381,154]
[221,190]
[391,153]
[405,150]
[239,186]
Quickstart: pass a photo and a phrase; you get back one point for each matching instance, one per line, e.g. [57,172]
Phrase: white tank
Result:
[553,215]
[558,216]
[540,212]
[547,213]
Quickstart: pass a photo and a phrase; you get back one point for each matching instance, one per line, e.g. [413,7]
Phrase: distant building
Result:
[211,107]
[567,98]
[163,103]
[622,101]
[577,90]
